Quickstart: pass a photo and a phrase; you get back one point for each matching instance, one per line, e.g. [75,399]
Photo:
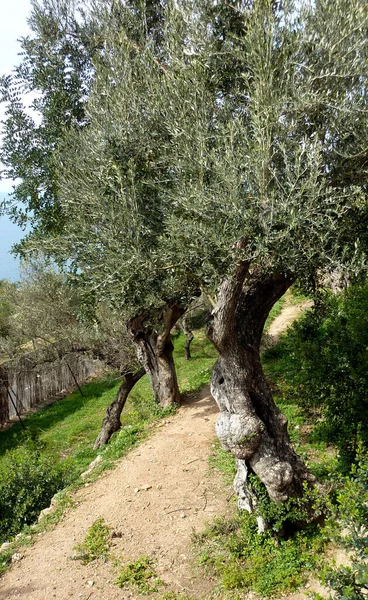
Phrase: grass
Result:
[96,543]
[232,550]
[141,575]
[275,312]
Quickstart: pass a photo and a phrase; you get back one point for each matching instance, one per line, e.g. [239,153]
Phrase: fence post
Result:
[4,403]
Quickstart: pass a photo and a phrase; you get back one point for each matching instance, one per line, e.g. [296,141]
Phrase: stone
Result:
[17,557]
[44,513]
[92,466]
[4,546]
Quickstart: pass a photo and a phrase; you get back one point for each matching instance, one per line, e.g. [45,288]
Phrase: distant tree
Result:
[6,308]
[57,69]
[48,321]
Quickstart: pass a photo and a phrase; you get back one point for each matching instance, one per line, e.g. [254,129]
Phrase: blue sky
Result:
[13,25]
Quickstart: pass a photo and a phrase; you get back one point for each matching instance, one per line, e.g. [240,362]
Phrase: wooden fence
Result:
[24,385]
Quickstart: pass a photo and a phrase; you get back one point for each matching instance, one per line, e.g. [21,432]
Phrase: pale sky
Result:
[13,25]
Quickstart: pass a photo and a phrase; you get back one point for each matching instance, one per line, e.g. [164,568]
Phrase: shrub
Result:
[29,479]
[351,582]
[328,354]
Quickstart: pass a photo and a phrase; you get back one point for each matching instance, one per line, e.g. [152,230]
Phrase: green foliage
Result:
[56,70]
[6,306]
[244,559]
[351,582]
[328,363]
[286,517]
[96,544]
[225,134]
[140,574]
[29,478]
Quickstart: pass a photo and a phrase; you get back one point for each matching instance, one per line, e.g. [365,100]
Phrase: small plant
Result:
[174,596]
[96,543]
[141,574]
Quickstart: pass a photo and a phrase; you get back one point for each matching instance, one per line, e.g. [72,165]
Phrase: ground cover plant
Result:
[96,544]
[65,432]
[139,574]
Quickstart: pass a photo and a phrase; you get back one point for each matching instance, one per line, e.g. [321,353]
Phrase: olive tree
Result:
[244,179]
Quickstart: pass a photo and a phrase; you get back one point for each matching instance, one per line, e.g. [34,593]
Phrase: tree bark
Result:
[188,335]
[250,425]
[111,422]
[155,353]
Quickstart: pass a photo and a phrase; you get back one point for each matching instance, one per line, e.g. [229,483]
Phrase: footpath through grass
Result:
[57,445]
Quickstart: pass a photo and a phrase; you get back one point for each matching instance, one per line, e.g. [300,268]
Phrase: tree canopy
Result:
[183,171]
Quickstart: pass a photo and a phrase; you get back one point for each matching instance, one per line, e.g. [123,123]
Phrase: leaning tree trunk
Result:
[155,353]
[111,422]
[250,425]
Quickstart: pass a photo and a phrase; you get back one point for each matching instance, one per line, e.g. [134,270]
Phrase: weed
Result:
[140,574]
[96,543]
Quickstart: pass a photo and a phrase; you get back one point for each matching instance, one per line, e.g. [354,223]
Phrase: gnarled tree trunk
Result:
[250,425]
[155,353]
[111,422]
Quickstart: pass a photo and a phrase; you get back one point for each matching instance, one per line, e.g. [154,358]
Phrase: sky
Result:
[13,25]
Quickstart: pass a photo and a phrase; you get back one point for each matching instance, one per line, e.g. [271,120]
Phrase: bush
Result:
[28,481]
[328,354]
[351,582]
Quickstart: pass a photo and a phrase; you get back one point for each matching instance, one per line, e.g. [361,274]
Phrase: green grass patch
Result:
[140,574]
[196,372]
[96,544]
[233,550]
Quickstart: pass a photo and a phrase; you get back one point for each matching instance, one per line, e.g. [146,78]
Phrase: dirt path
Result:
[153,500]
[158,521]
[289,313]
